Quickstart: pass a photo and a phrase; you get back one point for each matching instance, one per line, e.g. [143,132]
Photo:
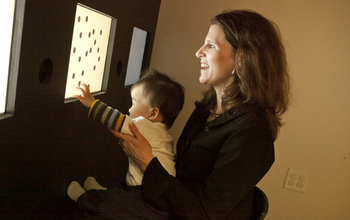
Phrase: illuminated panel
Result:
[137,50]
[91,51]
[7,11]
[10,44]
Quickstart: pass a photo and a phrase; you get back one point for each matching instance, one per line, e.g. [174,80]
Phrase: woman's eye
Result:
[211,46]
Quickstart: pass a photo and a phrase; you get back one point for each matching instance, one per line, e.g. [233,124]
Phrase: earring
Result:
[233,72]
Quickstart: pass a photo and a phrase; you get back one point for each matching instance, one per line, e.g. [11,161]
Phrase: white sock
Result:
[74,190]
[91,183]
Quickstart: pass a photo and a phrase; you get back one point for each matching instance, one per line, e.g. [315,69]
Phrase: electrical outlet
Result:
[296,180]
[91,51]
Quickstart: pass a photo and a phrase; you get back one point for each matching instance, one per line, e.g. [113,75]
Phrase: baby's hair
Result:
[163,93]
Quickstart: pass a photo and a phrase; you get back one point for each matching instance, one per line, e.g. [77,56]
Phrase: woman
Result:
[227,145]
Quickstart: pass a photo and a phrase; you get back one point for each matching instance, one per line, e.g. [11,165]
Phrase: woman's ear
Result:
[155,115]
[239,61]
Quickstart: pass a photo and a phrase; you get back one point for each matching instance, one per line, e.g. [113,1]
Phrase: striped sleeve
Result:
[106,115]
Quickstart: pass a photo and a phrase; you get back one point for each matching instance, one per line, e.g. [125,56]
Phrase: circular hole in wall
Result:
[46,70]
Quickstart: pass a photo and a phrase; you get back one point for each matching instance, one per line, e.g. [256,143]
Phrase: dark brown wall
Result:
[48,143]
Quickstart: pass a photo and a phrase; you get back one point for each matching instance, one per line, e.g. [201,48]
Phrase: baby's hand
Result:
[86,98]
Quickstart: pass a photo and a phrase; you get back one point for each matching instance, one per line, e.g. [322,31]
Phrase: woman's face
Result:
[217,59]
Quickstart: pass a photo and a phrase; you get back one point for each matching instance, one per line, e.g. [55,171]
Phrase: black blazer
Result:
[218,164]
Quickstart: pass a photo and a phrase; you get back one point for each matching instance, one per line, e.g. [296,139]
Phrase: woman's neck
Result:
[218,108]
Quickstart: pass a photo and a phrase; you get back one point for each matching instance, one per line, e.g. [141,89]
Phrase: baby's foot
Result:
[91,183]
[74,190]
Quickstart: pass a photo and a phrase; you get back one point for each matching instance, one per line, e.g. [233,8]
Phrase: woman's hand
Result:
[136,147]
[86,98]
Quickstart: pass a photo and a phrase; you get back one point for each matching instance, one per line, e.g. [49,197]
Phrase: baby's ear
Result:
[155,115]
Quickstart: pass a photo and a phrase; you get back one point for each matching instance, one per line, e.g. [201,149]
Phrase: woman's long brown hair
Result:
[261,79]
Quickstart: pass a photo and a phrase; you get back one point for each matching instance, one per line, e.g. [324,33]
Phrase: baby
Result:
[156,102]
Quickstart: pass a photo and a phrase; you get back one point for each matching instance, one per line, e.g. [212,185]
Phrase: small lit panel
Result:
[91,51]
[137,50]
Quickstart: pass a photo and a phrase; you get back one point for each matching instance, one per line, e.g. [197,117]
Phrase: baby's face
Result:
[140,105]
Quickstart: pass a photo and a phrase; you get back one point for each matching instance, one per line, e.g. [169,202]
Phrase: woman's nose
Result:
[199,52]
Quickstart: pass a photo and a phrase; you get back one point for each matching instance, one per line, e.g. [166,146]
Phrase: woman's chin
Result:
[203,79]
